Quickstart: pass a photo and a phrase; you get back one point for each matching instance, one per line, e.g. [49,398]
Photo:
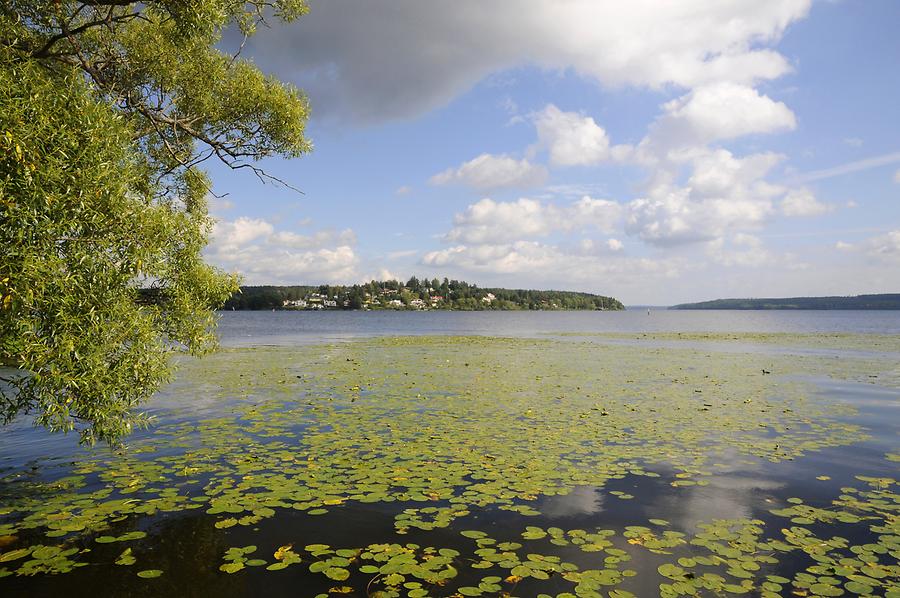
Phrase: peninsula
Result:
[414,294]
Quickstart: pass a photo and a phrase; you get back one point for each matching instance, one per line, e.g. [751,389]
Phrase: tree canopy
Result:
[107,110]
[414,294]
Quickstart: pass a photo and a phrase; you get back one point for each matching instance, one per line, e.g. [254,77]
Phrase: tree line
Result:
[413,294]
[866,302]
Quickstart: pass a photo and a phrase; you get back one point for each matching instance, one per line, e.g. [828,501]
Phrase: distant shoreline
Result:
[879,302]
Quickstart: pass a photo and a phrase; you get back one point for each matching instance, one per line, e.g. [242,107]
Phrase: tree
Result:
[107,109]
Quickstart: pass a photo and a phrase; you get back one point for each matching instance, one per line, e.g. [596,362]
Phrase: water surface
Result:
[530,453]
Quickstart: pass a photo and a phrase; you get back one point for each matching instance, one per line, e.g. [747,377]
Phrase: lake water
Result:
[484,453]
[248,328]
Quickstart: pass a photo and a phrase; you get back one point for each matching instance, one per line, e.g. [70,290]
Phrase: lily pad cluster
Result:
[442,428]
[722,557]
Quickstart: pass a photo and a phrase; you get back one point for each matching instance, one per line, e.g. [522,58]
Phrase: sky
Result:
[656,152]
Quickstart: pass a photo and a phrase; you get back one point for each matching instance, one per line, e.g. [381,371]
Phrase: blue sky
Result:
[655,152]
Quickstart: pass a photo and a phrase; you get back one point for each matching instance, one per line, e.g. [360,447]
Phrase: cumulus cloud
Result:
[723,194]
[698,192]
[400,58]
[517,243]
[719,173]
[252,247]
[571,138]
[715,112]
[547,262]
[675,219]
[231,235]
[489,171]
[802,202]
[492,222]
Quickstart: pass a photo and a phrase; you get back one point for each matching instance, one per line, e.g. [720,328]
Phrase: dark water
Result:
[189,549]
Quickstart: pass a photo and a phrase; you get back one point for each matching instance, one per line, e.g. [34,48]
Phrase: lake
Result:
[484,454]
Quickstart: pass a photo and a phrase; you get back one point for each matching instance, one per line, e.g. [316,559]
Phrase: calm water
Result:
[189,550]
[247,328]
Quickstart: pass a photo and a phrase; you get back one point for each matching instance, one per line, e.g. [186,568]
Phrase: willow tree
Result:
[108,109]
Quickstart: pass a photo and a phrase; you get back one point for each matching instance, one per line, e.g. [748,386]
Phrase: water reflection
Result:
[584,500]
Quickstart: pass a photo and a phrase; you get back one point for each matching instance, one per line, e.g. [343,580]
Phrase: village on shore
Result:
[415,294]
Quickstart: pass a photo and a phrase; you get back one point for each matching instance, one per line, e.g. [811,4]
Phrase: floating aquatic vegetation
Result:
[445,428]
[887,343]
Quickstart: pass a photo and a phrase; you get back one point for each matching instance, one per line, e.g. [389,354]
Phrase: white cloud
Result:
[547,262]
[722,194]
[897,177]
[400,58]
[489,171]
[718,173]
[488,221]
[675,219]
[885,247]
[853,141]
[802,202]
[318,239]
[601,214]
[491,222]
[715,112]
[571,138]
[233,234]
[252,247]
[403,190]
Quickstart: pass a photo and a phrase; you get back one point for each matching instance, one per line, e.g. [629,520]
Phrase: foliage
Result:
[106,110]
[434,294]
